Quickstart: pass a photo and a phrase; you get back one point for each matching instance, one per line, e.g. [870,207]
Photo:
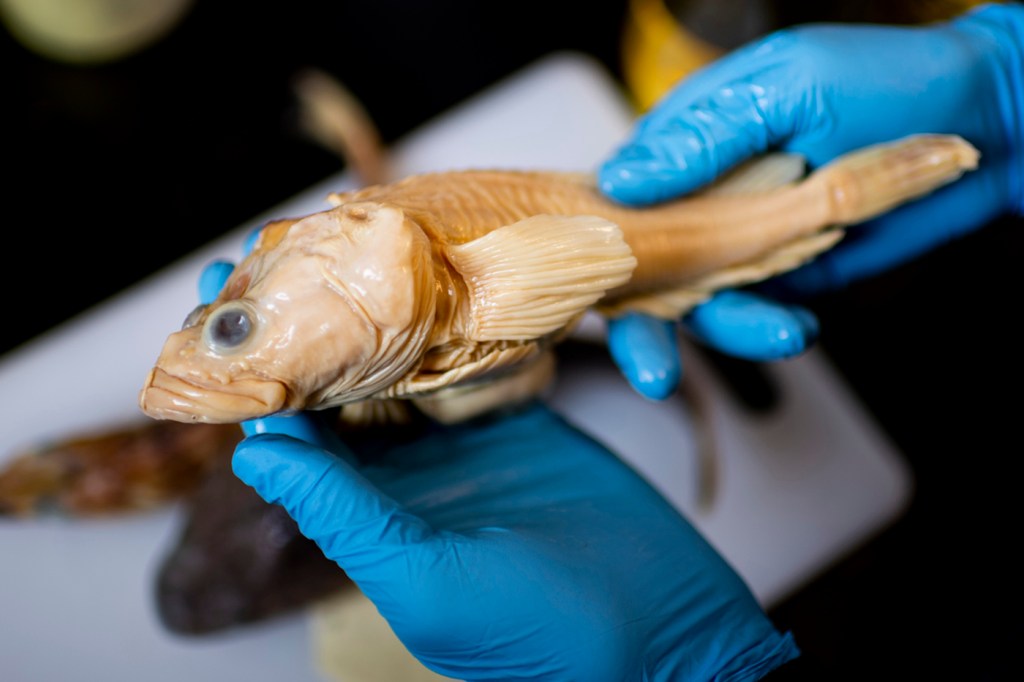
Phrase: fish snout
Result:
[166,396]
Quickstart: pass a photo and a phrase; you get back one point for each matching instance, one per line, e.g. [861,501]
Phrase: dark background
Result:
[185,140]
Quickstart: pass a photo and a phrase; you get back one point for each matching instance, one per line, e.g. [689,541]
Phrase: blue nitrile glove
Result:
[515,547]
[822,91]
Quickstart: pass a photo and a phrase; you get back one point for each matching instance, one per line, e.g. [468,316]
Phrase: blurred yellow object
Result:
[657,51]
[90,31]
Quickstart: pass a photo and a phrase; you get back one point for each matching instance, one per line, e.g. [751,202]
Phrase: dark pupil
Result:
[230,328]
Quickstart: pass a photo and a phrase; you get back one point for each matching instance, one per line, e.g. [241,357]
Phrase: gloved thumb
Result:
[679,150]
[353,522]
[725,113]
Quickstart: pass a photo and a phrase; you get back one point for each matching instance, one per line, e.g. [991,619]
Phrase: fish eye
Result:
[228,327]
[193,317]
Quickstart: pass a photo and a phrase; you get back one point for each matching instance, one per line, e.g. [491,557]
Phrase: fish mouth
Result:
[166,396]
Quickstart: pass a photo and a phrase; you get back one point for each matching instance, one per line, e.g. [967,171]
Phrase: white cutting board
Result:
[795,491]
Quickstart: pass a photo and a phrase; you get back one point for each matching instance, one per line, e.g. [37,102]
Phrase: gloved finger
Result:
[645,350]
[299,426]
[894,238]
[701,132]
[742,324]
[748,326]
[212,279]
[304,426]
[367,533]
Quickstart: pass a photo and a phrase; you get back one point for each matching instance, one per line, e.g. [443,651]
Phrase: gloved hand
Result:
[517,548]
[513,547]
[821,91]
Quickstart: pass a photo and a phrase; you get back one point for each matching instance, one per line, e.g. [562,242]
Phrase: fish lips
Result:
[166,396]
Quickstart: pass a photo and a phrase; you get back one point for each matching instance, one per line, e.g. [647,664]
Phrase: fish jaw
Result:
[174,398]
[189,383]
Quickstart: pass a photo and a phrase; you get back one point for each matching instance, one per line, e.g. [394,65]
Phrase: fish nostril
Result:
[192,319]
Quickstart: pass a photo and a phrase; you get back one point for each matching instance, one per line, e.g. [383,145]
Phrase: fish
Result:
[448,290]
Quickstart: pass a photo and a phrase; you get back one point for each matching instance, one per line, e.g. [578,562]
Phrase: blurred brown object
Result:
[120,470]
[336,119]
[238,560]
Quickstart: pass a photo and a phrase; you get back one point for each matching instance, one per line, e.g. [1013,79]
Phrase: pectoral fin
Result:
[533,277]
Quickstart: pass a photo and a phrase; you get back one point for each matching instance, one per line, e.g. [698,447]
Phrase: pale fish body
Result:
[455,283]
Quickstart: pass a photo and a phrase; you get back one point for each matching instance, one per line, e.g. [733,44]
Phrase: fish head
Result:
[327,309]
